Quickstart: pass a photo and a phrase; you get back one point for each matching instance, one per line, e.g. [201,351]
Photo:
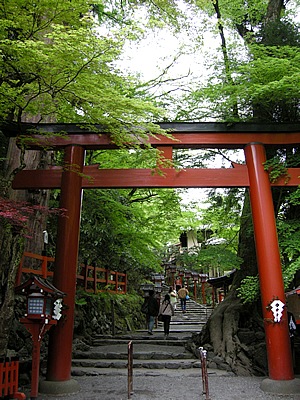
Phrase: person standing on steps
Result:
[182,293]
[150,307]
[173,297]
[167,311]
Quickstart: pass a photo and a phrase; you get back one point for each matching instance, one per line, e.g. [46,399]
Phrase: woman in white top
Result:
[167,311]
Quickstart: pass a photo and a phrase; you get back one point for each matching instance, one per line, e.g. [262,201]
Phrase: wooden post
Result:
[95,279]
[203,292]
[269,265]
[130,369]
[35,370]
[37,329]
[106,276]
[117,282]
[113,330]
[125,286]
[205,389]
[86,274]
[44,267]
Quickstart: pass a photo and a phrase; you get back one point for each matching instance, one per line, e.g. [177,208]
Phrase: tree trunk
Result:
[274,10]
[12,242]
[11,247]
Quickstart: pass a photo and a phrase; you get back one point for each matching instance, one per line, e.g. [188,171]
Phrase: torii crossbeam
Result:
[253,138]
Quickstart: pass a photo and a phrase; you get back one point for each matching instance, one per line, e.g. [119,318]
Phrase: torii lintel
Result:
[95,178]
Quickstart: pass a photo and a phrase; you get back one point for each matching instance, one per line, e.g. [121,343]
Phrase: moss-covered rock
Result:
[107,313]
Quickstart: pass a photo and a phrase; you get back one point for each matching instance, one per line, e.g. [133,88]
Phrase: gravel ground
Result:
[169,385]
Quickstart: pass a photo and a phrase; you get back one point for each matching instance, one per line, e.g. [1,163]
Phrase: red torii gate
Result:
[75,176]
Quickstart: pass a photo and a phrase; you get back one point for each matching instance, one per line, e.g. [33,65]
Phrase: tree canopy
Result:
[58,65]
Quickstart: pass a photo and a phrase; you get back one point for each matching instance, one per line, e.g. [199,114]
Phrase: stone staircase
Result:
[110,353]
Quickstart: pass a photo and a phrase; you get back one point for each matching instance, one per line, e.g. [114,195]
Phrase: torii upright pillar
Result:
[58,378]
[269,265]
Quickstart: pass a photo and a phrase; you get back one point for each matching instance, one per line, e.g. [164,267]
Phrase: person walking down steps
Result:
[183,295]
[150,307]
[166,310]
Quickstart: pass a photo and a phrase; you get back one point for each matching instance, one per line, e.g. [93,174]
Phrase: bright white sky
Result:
[152,55]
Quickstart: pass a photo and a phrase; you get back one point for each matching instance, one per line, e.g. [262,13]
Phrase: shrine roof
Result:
[222,280]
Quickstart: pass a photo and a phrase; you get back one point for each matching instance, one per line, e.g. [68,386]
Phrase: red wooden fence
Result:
[9,378]
[95,279]
[38,267]
[92,279]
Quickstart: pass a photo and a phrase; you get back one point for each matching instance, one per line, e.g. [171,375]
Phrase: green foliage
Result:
[290,271]
[249,289]
[289,239]
[209,258]
[54,65]
[222,217]
[152,14]
[109,230]
[253,78]
[279,33]
[125,231]
[238,12]
[218,257]
[276,169]
[134,158]
[80,301]
[217,228]
[294,197]
[265,80]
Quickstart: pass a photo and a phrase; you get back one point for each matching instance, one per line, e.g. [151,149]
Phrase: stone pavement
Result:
[168,385]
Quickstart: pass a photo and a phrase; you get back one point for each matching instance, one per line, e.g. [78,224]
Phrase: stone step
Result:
[78,357]
[88,367]
[144,350]
[142,335]
[192,312]
[196,310]
[187,328]
[173,341]
[183,323]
